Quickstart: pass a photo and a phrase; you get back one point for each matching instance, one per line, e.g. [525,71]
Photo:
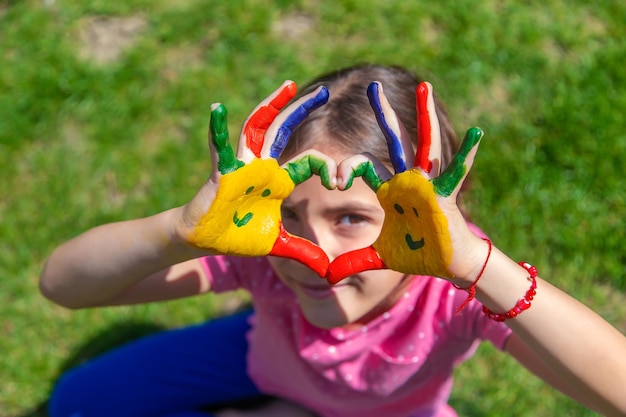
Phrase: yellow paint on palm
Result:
[413,217]
[245,215]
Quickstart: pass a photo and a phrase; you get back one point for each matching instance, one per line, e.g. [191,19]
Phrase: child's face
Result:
[337,221]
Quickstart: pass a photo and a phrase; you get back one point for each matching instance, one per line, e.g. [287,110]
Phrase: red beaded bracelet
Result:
[524,303]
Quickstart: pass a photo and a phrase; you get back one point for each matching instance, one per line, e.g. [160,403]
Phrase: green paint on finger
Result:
[304,168]
[448,181]
[227,161]
[368,172]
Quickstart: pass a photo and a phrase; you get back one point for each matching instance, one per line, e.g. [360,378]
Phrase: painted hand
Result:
[423,226]
[238,210]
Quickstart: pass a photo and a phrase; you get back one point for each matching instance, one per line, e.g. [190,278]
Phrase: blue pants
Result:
[175,373]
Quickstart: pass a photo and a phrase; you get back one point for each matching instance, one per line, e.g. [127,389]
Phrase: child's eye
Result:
[288,214]
[352,219]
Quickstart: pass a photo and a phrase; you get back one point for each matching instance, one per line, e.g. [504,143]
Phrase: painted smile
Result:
[414,244]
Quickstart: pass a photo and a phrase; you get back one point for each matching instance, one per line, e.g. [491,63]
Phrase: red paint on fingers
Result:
[258,123]
[424,129]
[301,250]
[353,262]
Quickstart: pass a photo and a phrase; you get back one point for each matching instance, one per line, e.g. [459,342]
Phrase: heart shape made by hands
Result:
[314,257]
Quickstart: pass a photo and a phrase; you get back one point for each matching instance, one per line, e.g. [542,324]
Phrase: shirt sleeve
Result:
[221,273]
[486,329]
[229,273]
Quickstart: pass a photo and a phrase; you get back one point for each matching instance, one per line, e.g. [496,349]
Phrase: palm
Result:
[244,217]
[419,204]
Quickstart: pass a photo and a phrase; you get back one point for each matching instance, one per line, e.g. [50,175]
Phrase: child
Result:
[384,339]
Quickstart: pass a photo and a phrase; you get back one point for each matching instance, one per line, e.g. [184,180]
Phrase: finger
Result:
[301,250]
[222,154]
[312,162]
[398,142]
[289,119]
[428,155]
[353,262]
[450,181]
[254,128]
[373,171]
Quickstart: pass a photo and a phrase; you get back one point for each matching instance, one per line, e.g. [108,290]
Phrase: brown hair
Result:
[347,123]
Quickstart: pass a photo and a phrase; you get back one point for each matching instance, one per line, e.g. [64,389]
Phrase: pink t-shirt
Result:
[399,364]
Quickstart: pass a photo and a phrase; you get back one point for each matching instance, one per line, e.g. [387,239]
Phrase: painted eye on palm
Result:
[414,238]
[241,221]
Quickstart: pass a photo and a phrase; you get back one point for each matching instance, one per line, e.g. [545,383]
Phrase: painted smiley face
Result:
[412,213]
[244,218]
[410,242]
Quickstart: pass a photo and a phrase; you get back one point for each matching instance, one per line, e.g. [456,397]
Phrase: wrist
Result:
[174,236]
[469,263]
[471,289]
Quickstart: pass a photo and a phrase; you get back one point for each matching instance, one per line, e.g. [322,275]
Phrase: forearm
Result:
[103,262]
[577,344]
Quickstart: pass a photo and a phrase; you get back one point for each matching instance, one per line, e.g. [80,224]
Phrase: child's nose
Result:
[323,238]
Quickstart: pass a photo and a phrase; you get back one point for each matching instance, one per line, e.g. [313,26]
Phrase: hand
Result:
[237,212]
[424,231]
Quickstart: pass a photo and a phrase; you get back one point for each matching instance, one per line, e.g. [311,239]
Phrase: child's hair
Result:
[348,125]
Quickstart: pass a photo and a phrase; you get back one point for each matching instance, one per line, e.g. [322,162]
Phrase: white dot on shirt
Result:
[364,329]
[415,359]
[410,348]
[410,308]
[387,315]
[315,356]
[407,294]
[340,336]
[451,292]
[332,350]
[348,377]
[421,335]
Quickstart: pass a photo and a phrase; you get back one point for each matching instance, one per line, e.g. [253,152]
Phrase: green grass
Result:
[84,142]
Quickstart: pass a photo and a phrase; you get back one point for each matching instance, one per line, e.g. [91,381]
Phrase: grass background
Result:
[104,110]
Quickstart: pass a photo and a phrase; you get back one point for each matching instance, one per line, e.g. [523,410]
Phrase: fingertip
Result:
[339,183]
[316,99]
[373,94]
[374,87]
[424,88]
[478,132]
[323,94]
[423,91]
[290,86]
[474,135]
[284,94]
[218,110]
